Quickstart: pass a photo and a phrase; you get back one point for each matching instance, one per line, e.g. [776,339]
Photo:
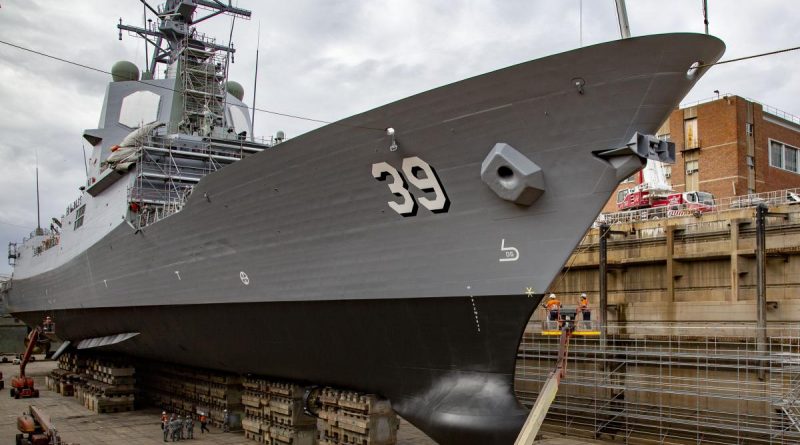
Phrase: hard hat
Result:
[552,296]
[583,294]
[163,412]
[225,410]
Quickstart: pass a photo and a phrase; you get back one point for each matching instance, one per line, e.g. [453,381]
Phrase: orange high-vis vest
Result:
[553,305]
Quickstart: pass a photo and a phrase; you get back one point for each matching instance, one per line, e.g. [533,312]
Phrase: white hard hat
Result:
[225,410]
[583,294]
[552,296]
[163,412]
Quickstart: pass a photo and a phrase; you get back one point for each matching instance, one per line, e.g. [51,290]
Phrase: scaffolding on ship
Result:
[201,137]
[670,383]
[202,72]
[169,166]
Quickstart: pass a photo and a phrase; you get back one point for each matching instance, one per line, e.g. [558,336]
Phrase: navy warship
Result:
[399,251]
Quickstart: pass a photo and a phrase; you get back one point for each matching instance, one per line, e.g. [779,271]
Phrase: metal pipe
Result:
[761,281]
[603,283]
[622,17]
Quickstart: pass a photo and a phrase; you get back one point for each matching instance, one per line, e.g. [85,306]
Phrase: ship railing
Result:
[207,150]
[51,239]
[243,144]
[771,199]
[38,232]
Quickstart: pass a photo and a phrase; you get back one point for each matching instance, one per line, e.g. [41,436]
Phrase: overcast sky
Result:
[331,59]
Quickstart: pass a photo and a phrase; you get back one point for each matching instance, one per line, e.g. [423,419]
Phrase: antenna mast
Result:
[38,211]
[85,165]
[705,14]
[622,16]
[255,85]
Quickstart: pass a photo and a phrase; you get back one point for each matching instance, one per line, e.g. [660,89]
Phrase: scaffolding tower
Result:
[202,75]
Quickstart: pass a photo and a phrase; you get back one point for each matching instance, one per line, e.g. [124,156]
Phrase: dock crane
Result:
[565,327]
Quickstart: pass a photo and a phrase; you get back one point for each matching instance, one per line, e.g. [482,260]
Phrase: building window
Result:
[79,217]
[621,195]
[690,134]
[776,154]
[748,128]
[784,156]
[692,167]
[790,158]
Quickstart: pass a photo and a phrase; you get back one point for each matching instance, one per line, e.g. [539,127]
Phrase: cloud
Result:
[330,60]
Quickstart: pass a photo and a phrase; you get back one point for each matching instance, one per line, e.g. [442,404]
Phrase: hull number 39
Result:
[422,176]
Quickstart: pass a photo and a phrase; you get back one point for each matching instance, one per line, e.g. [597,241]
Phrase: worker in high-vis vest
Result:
[583,307]
[553,306]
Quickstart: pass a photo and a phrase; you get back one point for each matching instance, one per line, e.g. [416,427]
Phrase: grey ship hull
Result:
[289,263]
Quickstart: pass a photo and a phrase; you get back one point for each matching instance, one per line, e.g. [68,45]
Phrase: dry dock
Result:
[702,343]
[78,425]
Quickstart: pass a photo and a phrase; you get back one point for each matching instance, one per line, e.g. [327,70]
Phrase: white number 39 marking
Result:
[420,175]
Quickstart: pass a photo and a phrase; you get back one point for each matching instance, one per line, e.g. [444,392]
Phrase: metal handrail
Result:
[773,198]
[766,108]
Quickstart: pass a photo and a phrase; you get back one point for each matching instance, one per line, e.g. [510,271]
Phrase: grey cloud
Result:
[329,60]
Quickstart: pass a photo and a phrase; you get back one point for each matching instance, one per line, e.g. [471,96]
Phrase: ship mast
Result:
[38,211]
[175,24]
[622,16]
[197,62]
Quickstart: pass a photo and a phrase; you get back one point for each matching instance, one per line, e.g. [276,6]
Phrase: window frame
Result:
[694,163]
[80,212]
[783,151]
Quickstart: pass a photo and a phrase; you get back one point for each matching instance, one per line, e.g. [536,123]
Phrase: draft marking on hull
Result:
[508,253]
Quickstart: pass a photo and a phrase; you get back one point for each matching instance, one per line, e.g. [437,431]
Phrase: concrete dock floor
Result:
[78,425]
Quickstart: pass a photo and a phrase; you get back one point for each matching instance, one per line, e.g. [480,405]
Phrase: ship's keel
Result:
[446,364]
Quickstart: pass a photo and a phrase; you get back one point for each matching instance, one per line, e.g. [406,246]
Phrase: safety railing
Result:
[771,199]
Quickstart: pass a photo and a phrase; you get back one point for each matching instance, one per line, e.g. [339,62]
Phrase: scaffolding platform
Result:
[670,383]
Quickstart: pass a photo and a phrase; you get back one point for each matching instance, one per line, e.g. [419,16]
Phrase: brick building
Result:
[730,146]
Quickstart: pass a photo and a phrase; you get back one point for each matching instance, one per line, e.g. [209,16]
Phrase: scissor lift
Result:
[566,326]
